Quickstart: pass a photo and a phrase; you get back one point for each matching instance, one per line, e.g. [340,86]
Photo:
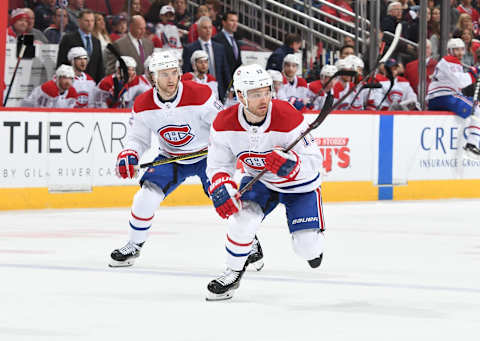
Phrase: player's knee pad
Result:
[147,199]
[308,244]
[244,224]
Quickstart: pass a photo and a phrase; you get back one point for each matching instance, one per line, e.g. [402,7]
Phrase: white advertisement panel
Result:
[428,147]
[349,145]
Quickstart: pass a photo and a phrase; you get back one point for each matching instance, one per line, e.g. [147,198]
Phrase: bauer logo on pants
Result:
[175,135]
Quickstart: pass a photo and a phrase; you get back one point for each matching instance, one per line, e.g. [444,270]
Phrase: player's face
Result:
[80,64]
[290,69]
[324,80]
[277,85]
[64,83]
[167,82]
[458,52]
[258,100]
[202,65]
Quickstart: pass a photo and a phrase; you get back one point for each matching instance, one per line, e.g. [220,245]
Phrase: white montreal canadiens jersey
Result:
[169,35]
[182,126]
[316,87]
[340,89]
[448,78]
[85,86]
[401,91]
[297,90]
[48,95]
[232,139]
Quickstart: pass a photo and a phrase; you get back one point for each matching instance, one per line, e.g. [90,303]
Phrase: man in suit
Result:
[217,59]
[227,39]
[292,45]
[83,38]
[133,44]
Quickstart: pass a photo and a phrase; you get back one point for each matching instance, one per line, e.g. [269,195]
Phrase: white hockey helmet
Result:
[76,52]
[162,61]
[328,70]
[344,64]
[199,54]
[455,43]
[356,61]
[129,61]
[65,71]
[251,77]
[276,75]
[291,58]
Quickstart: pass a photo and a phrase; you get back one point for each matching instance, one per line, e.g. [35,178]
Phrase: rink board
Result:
[66,158]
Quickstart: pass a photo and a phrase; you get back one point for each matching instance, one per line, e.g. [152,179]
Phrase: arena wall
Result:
[66,158]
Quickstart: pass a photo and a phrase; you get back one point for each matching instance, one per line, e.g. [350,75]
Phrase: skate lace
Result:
[254,246]
[228,276]
[129,248]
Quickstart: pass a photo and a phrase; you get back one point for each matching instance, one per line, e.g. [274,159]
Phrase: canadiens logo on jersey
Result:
[253,160]
[82,99]
[176,135]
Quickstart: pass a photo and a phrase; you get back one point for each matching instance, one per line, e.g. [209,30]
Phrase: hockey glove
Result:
[223,192]
[127,164]
[297,103]
[285,165]
[474,71]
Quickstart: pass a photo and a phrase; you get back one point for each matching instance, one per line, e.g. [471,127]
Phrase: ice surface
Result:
[391,271]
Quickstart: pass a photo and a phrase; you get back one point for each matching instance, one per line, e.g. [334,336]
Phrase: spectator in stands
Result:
[411,69]
[75,7]
[348,41]
[202,11]
[469,58]
[166,29]
[466,7]
[119,27]
[454,14]
[393,17]
[217,60]
[38,36]
[199,61]
[464,23]
[115,92]
[83,37]
[55,93]
[294,88]
[53,32]
[434,38]
[19,20]
[135,8]
[345,4]
[414,27]
[152,14]
[292,44]
[213,10]
[346,51]
[100,32]
[83,82]
[44,13]
[134,44]
[227,39]
[182,19]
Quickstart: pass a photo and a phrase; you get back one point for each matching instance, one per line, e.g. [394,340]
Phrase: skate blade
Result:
[258,265]
[117,264]
[219,297]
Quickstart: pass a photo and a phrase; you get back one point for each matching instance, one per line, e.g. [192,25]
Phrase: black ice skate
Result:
[315,263]
[472,152]
[125,256]
[255,258]
[223,287]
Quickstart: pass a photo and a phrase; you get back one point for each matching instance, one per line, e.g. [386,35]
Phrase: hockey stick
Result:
[20,56]
[475,95]
[174,159]
[328,108]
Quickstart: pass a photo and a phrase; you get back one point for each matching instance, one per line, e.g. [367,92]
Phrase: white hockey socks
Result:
[308,244]
[145,202]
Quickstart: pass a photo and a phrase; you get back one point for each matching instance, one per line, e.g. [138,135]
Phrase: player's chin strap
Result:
[327,107]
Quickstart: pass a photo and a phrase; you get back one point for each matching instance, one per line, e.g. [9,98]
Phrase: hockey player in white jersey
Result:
[180,115]
[56,93]
[83,82]
[277,81]
[396,96]
[115,92]
[445,93]
[199,62]
[317,87]
[294,89]
[255,132]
